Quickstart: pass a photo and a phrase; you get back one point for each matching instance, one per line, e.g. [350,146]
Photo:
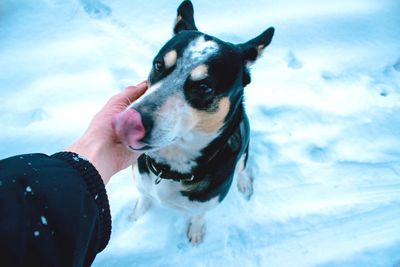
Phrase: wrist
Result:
[95,153]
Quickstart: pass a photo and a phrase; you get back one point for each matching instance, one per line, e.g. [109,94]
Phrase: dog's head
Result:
[195,84]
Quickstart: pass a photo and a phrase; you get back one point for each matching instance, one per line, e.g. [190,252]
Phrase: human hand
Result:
[100,145]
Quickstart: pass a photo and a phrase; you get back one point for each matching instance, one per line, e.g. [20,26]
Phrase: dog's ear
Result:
[184,19]
[253,49]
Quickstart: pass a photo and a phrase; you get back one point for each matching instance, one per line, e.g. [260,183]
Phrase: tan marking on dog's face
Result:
[211,122]
[170,59]
[199,73]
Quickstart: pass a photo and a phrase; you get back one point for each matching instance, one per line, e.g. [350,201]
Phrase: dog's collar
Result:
[163,171]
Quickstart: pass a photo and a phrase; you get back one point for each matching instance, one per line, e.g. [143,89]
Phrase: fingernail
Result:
[142,83]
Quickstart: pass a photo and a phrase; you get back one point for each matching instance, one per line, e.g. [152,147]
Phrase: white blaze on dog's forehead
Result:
[199,73]
[200,49]
[170,59]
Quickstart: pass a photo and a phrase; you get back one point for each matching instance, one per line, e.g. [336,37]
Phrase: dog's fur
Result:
[195,122]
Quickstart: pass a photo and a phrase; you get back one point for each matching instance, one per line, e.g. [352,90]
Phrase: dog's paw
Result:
[196,236]
[143,204]
[196,231]
[245,185]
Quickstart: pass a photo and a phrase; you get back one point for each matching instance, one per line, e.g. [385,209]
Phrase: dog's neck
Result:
[181,155]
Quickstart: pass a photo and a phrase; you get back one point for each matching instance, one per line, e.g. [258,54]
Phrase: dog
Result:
[191,124]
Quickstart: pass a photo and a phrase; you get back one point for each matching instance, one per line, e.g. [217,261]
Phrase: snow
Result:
[323,105]
[43,220]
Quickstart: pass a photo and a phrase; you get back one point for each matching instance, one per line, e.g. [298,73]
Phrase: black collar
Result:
[163,171]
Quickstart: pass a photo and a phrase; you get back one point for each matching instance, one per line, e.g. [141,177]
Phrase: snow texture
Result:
[323,105]
[43,220]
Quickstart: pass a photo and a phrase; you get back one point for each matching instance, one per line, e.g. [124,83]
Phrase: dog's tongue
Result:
[129,128]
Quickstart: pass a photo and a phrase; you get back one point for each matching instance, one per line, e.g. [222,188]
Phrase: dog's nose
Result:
[129,128]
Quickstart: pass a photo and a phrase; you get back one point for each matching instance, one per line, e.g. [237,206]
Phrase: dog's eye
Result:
[205,89]
[158,66]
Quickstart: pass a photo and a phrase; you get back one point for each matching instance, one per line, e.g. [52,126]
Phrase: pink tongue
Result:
[129,128]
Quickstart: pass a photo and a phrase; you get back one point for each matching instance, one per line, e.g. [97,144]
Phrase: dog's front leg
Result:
[196,229]
[142,205]
[244,180]
[245,184]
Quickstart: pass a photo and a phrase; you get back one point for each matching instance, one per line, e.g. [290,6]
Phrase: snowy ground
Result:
[324,105]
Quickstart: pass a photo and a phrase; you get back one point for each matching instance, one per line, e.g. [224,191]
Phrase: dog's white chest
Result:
[168,192]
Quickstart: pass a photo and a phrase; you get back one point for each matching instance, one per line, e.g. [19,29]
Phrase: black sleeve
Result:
[54,211]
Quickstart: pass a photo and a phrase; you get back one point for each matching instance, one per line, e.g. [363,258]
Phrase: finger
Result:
[141,83]
[134,92]
[127,96]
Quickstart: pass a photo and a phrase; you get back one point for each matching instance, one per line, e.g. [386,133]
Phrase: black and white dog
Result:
[191,123]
